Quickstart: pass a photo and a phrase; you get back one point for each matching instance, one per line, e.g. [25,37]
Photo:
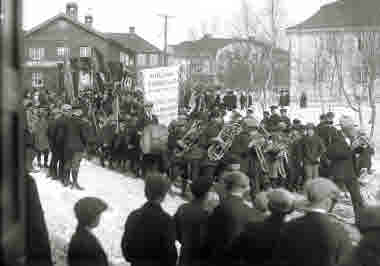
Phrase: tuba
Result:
[224,141]
[190,138]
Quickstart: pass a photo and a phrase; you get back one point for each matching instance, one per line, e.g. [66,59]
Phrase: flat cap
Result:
[273,107]
[86,209]
[319,189]
[236,179]
[280,201]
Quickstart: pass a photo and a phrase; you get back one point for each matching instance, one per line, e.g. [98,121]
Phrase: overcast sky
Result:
[118,15]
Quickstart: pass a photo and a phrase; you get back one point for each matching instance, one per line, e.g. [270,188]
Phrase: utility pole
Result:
[165,16]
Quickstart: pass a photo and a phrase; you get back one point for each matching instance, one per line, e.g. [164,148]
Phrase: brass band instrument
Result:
[361,141]
[224,141]
[262,159]
[190,138]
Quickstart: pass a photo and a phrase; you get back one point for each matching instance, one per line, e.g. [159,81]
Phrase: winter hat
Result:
[369,217]
[280,201]
[201,186]
[156,187]
[88,208]
[319,189]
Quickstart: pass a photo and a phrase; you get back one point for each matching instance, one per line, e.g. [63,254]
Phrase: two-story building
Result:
[202,60]
[63,36]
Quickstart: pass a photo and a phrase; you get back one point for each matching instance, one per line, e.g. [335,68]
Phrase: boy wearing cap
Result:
[84,247]
[149,235]
[314,239]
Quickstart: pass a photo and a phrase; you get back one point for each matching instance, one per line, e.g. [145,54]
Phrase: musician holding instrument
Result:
[343,156]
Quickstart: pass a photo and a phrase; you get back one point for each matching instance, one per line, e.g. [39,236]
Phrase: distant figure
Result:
[84,247]
[303,100]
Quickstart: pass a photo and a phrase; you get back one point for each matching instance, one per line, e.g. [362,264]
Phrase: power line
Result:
[165,16]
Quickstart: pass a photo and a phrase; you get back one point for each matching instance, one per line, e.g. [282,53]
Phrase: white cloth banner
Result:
[161,88]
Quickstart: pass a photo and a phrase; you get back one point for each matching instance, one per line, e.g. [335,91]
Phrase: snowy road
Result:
[123,194]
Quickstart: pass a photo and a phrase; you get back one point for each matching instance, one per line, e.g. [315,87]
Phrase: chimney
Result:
[72,10]
[88,19]
[131,30]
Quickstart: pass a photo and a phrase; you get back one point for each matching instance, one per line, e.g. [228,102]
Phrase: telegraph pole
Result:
[165,16]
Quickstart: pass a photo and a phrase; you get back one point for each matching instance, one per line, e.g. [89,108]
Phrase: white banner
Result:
[161,88]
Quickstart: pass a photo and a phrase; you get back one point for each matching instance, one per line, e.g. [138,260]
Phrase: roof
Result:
[342,14]
[134,42]
[209,44]
[124,40]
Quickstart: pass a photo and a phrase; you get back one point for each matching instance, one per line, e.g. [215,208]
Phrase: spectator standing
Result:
[150,234]
[84,247]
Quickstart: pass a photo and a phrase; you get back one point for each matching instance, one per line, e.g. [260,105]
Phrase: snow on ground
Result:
[124,193]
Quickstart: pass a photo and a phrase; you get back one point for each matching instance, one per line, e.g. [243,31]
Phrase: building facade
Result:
[63,36]
[334,41]
[205,59]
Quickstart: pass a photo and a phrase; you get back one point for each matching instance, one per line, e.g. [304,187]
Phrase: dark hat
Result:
[273,107]
[201,186]
[369,217]
[156,186]
[283,110]
[280,201]
[296,121]
[88,208]
[322,117]
[266,113]
[330,115]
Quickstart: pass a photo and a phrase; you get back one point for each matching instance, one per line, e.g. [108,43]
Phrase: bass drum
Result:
[154,139]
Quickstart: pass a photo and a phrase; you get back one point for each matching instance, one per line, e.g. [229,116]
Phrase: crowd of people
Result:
[267,160]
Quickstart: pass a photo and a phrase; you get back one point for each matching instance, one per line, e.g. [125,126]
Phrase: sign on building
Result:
[161,88]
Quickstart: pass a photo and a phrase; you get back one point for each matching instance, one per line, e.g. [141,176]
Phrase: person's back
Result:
[149,236]
[74,139]
[312,240]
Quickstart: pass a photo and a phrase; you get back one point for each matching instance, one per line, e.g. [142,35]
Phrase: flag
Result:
[68,80]
[97,61]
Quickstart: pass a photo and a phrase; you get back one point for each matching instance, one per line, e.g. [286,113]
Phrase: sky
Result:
[119,15]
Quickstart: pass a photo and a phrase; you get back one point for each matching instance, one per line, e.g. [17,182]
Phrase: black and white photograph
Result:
[190,133]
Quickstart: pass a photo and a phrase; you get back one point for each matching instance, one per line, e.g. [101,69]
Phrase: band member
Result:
[284,117]
[75,141]
[274,119]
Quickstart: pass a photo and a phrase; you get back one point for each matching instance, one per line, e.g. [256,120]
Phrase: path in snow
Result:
[123,194]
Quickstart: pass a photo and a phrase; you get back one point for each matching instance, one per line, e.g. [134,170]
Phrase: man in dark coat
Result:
[243,101]
[74,144]
[367,251]
[150,234]
[84,247]
[343,162]
[284,117]
[191,223]
[228,219]
[255,244]
[230,101]
[265,121]
[312,151]
[314,239]
[274,119]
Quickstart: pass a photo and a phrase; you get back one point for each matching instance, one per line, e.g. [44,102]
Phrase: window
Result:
[85,51]
[63,51]
[141,60]
[124,58]
[154,59]
[36,53]
[37,80]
